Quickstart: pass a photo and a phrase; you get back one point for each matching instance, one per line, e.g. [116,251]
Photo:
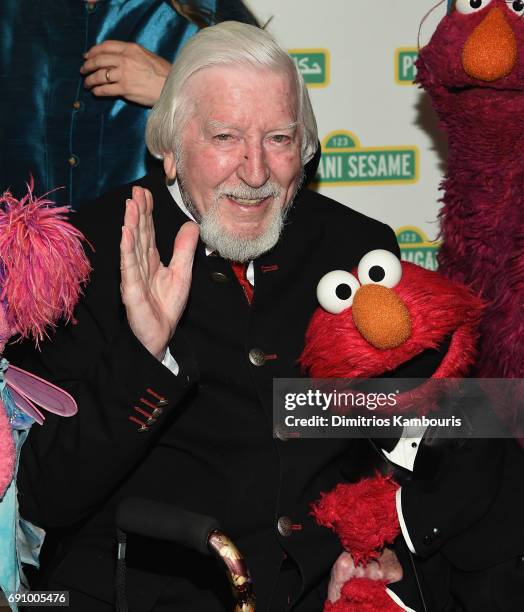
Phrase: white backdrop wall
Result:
[383,153]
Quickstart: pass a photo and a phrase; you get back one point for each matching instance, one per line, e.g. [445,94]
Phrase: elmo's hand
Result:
[363,515]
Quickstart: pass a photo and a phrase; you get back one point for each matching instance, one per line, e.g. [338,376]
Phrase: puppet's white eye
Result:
[517,7]
[471,6]
[380,267]
[336,290]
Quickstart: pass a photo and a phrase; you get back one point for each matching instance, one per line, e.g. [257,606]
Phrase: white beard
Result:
[229,245]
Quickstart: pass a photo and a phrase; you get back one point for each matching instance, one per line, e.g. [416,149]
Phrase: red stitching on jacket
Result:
[147,403]
[272,268]
[138,421]
[155,395]
[144,412]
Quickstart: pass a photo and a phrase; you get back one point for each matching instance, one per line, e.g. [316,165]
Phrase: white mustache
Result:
[244,192]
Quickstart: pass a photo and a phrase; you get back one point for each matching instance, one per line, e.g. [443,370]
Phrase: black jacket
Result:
[211,449]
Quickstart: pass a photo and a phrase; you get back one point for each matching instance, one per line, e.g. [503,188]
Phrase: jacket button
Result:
[161,403]
[219,277]
[436,532]
[285,526]
[257,357]
[428,540]
[73,161]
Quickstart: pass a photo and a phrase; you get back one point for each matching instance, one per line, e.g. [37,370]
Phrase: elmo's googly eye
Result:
[336,290]
[380,267]
[471,6]
[517,7]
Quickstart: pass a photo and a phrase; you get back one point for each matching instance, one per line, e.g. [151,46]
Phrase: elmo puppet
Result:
[450,507]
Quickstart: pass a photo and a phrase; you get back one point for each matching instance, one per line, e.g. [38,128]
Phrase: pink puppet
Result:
[42,268]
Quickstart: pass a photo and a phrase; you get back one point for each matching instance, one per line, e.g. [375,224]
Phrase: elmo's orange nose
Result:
[490,52]
[381,316]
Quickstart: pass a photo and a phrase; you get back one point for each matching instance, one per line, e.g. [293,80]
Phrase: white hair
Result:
[227,43]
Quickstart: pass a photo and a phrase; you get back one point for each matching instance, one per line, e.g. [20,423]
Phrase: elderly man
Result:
[172,363]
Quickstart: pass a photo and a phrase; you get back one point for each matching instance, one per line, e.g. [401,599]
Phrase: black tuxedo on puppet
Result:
[212,449]
[462,505]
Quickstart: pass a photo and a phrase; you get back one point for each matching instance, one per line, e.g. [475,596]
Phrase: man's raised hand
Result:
[154,295]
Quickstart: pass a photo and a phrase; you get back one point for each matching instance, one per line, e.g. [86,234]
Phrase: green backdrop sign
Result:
[416,247]
[313,65]
[345,162]
[405,70]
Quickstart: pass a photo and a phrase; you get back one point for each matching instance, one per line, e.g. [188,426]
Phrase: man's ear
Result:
[170,166]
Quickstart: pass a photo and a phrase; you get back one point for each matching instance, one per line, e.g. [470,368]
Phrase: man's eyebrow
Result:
[218,125]
[291,126]
[213,124]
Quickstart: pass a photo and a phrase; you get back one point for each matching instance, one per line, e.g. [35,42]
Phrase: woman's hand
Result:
[116,68]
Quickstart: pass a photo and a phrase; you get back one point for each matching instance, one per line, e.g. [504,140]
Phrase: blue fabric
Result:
[19,540]
[17,418]
[41,48]
[450,5]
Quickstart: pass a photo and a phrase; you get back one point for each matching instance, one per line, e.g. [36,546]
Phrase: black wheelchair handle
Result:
[165,522]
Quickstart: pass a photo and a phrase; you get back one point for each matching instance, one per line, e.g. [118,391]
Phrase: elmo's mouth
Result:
[423,365]
[408,375]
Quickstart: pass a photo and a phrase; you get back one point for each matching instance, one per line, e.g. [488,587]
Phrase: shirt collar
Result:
[174,190]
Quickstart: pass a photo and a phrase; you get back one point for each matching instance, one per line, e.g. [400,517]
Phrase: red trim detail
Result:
[296,527]
[137,421]
[144,412]
[147,403]
[272,268]
[271,356]
[160,398]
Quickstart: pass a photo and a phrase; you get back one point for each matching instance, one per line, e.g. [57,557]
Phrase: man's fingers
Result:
[343,570]
[131,225]
[131,215]
[372,570]
[391,569]
[386,567]
[129,267]
[150,225]
[184,249]
[144,205]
